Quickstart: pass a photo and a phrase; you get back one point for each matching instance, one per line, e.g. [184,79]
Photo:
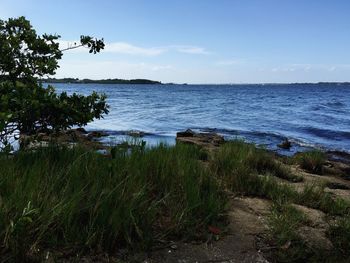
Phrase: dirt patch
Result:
[246,221]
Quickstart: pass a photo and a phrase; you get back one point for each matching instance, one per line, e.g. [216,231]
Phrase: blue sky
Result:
[222,41]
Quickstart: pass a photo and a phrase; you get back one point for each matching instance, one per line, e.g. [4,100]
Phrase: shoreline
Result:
[252,196]
[106,138]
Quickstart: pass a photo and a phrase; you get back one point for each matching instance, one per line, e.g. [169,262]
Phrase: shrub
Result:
[312,161]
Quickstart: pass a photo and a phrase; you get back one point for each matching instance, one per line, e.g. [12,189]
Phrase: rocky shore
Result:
[247,234]
[246,239]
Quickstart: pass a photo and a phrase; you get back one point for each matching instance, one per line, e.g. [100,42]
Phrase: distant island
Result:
[101,81]
[147,81]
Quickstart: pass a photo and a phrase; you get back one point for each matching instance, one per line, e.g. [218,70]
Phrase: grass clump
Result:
[284,221]
[339,234]
[59,197]
[312,161]
[314,196]
[243,167]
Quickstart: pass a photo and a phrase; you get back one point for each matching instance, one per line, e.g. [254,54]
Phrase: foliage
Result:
[5,129]
[59,197]
[284,221]
[315,197]
[25,105]
[312,161]
[24,54]
[339,233]
[238,161]
[33,107]
[246,170]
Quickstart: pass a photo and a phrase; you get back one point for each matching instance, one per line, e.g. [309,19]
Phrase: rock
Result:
[286,144]
[208,140]
[82,130]
[173,246]
[187,133]
[343,157]
[134,133]
[335,185]
[96,134]
[66,137]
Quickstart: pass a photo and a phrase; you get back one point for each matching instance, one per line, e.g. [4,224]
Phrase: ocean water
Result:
[309,115]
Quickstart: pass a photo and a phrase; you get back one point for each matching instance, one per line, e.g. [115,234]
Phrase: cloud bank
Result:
[130,49]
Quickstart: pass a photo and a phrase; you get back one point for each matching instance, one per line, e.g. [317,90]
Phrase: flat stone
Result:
[187,133]
[207,140]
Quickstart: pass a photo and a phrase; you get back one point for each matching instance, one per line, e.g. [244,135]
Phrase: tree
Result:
[25,105]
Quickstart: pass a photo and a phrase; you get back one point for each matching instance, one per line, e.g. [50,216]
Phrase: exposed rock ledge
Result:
[206,140]
[68,137]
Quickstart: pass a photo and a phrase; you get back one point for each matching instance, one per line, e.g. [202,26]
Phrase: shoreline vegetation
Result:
[66,197]
[147,81]
[132,203]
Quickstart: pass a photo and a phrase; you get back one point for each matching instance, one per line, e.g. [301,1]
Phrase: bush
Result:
[27,107]
[312,161]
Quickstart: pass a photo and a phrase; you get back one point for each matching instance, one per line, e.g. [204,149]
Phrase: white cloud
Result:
[191,50]
[126,48]
[112,69]
[283,69]
[328,67]
[161,67]
[130,49]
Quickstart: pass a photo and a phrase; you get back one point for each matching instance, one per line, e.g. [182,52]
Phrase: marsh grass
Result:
[245,169]
[339,234]
[315,197]
[250,171]
[312,161]
[55,197]
[59,197]
[284,221]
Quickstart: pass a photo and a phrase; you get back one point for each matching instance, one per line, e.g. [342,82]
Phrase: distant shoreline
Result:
[154,82]
[101,81]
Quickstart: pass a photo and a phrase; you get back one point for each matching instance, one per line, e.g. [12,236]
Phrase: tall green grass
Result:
[284,222]
[339,233]
[312,161]
[245,169]
[241,166]
[59,197]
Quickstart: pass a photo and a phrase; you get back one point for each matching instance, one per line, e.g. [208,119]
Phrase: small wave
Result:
[306,145]
[270,139]
[123,132]
[326,133]
[336,104]
[316,107]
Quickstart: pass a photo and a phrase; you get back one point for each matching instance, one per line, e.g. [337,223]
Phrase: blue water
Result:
[309,115]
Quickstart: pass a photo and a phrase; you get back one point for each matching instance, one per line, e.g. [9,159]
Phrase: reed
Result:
[60,197]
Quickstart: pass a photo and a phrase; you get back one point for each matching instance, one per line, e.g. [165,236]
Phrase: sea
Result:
[309,115]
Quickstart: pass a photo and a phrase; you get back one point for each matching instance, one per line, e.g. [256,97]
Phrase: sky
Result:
[198,41]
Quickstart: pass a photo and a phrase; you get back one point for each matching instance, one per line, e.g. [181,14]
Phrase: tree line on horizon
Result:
[100,81]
